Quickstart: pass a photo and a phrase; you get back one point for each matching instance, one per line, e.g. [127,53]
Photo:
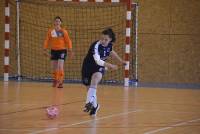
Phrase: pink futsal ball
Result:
[52,112]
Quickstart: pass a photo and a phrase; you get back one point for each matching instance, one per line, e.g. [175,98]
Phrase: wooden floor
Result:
[122,111]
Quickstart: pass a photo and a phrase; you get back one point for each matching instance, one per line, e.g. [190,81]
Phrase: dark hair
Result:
[110,33]
[58,17]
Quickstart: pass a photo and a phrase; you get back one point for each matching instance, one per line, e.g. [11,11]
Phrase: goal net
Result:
[84,21]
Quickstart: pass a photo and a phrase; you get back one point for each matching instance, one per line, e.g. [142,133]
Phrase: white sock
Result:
[91,96]
[95,101]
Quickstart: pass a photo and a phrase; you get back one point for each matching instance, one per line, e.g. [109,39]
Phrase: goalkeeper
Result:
[59,43]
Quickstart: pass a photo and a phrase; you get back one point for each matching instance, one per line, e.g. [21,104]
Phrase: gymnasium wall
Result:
[169,41]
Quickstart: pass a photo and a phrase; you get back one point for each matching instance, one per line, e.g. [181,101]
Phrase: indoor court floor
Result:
[133,110]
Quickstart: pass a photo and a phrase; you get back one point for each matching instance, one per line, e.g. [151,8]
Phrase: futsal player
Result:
[93,67]
[59,43]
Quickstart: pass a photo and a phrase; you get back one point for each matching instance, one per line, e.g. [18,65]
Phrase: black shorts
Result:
[88,70]
[58,54]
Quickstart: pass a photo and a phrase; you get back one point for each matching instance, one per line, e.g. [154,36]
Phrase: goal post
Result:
[84,20]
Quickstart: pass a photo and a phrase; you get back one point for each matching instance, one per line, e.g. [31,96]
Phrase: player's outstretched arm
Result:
[71,53]
[100,62]
[116,56]
[109,65]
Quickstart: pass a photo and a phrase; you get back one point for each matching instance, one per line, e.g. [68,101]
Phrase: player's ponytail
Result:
[110,33]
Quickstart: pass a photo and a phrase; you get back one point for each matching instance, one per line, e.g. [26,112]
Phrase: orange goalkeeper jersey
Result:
[57,40]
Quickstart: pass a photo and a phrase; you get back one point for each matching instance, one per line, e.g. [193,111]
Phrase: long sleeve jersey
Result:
[97,50]
[57,40]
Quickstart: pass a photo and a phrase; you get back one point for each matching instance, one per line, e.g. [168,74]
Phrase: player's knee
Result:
[94,82]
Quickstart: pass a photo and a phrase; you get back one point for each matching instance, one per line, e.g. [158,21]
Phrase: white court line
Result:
[83,122]
[172,126]
[177,112]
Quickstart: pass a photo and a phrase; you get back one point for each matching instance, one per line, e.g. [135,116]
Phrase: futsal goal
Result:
[85,20]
